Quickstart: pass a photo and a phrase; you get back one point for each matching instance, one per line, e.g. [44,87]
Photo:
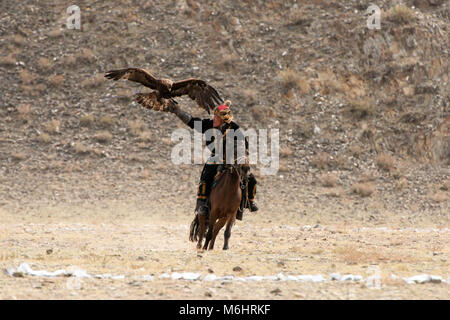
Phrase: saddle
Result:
[243,184]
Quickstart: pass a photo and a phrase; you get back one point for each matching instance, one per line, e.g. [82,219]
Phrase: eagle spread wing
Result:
[139,75]
[198,90]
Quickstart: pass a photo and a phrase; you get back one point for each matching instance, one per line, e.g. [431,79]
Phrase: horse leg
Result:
[209,234]
[227,233]
[201,230]
[216,230]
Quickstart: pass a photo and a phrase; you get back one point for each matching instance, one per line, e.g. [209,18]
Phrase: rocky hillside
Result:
[363,114]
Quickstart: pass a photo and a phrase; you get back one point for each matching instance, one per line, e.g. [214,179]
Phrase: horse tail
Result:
[193,231]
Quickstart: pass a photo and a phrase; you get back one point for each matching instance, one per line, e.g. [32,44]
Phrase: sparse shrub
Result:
[79,148]
[401,184]
[322,160]
[44,138]
[361,109]
[328,180]
[8,61]
[57,80]
[135,157]
[135,126]
[250,96]
[103,136]
[70,61]
[106,121]
[33,90]
[86,56]
[18,40]
[145,136]
[289,79]
[18,156]
[52,126]
[93,82]
[285,152]
[303,85]
[356,151]
[363,189]
[145,174]
[257,113]
[227,62]
[87,120]
[27,77]
[438,196]
[24,111]
[44,64]
[56,33]
[385,162]
[400,14]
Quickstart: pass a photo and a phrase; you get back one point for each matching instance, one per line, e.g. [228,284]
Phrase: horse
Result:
[225,199]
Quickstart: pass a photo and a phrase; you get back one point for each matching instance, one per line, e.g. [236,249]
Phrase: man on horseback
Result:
[222,121]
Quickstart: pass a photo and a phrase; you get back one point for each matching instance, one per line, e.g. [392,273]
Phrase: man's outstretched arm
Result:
[190,120]
[183,115]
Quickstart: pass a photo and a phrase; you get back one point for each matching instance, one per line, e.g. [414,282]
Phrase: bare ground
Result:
[124,239]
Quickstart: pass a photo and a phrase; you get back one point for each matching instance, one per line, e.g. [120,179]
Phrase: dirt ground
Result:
[133,240]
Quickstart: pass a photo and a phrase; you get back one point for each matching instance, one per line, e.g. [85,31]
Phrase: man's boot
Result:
[253,206]
[202,207]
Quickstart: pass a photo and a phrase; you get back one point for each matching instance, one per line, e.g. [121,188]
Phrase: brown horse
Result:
[225,200]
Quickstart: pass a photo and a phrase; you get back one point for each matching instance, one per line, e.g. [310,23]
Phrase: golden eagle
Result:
[165,89]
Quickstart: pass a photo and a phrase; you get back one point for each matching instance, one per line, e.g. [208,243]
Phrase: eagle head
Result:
[168,83]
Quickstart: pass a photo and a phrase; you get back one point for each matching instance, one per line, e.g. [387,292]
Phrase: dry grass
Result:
[400,14]
[352,255]
[53,126]
[18,156]
[285,152]
[401,184]
[328,180]
[8,61]
[135,126]
[145,136]
[87,120]
[227,62]
[27,77]
[56,33]
[322,160]
[103,136]
[18,40]
[438,196]
[145,174]
[356,151]
[106,121]
[86,56]
[70,61]
[57,80]
[80,148]
[24,111]
[363,189]
[289,79]
[360,109]
[44,138]
[93,82]
[44,64]
[250,96]
[385,162]
[33,90]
